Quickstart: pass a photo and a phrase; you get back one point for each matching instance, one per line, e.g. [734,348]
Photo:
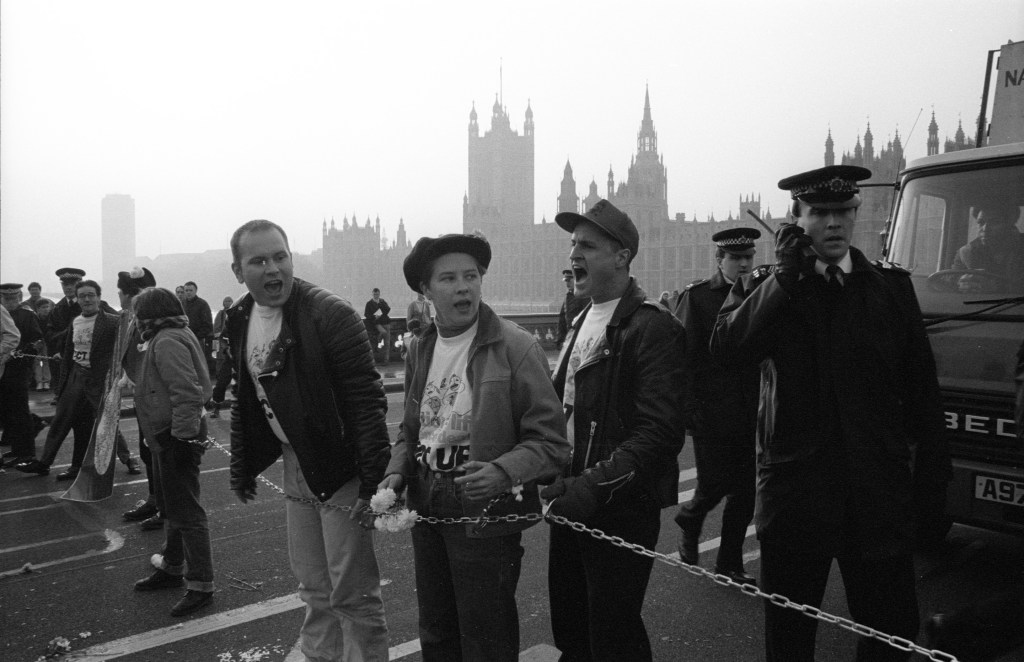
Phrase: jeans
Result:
[880,594]
[75,412]
[597,589]
[334,561]
[465,587]
[187,546]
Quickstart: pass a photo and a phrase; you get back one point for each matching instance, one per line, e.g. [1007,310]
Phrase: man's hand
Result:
[483,480]
[790,242]
[573,498]
[393,481]
[246,494]
[361,513]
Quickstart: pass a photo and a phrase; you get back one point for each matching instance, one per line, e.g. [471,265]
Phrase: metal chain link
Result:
[752,590]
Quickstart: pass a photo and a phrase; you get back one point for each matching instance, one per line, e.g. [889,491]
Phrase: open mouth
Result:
[579,273]
[274,287]
[463,306]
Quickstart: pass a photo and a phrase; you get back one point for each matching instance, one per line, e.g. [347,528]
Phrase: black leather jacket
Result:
[323,388]
[628,410]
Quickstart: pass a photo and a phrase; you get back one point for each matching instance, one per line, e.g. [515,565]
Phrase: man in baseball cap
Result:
[619,379]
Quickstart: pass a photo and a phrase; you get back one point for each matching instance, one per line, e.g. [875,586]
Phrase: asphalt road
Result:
[84,559]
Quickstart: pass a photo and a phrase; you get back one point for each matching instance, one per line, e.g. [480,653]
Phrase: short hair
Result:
[192,283]
[719,253]
[156,302]
[88,283]
[257,225]
[377,290]
[34,284]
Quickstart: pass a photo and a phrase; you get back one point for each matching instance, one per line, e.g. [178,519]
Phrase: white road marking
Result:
[29,510]
[187,630]
[115,541]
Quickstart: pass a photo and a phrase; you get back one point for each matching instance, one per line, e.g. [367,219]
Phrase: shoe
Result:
[738,576]
[143,510]
[33,466]
[193,601]
[68,474]
[13,461]
[158,580]
[688,548]
[153,523]
[133,466]
[215,412]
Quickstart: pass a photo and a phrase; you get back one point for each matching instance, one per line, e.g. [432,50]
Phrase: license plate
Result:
[1000,490]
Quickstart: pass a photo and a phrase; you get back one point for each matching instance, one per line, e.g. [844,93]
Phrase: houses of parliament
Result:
[525,273]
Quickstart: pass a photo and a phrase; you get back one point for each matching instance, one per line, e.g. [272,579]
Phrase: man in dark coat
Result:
[200,320]
[85,360]
[64,311]
[307,389]
[19,430]
[375,315]
[851,440]
[721,409]
[618,378]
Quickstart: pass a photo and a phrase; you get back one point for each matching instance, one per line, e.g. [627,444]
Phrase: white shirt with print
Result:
[262,337]
[594,327]
[81,337]
[446,406]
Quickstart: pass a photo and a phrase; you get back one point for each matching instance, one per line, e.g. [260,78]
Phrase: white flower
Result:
[136,272]
[396,522]
[383,500]
[517,490]
[143,346]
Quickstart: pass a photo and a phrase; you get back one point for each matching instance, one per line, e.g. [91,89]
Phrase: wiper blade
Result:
[997,305]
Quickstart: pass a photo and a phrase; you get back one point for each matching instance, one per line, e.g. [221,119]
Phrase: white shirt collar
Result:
[846,264]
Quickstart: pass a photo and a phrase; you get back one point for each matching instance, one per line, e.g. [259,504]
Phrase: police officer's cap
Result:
[832,186]
[10,288]
[736,240]
[70,273]
[566,272]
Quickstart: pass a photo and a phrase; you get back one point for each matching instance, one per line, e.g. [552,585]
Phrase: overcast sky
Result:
[213,113]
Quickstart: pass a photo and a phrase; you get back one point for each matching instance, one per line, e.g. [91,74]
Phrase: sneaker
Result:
[193,601]
[158,580]
[133,466]
[153,523]
[143,510]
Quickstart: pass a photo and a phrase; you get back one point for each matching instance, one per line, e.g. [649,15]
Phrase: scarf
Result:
[148,328]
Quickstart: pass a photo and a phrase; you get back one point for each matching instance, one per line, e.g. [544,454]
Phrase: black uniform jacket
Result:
[57,323]
[101,353]
[28,326]
[849,408]
[324,390]
[628,407]
[721,401]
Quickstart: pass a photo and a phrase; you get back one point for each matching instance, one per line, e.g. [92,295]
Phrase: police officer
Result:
[721,409]
[14,411]
[851,447]
[66,309]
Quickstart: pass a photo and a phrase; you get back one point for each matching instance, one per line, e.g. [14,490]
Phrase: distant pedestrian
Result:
[174,385]
[418,317]
[222,346]
[375,312]
[618,378]
[721,410]
[852,451]
[571,307]
[200,321]
[481,418]
[307,389]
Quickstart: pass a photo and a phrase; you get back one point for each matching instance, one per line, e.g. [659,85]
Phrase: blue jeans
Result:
[187,546]
[465,587]
[334,561]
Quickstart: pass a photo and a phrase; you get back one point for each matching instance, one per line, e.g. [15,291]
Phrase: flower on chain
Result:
[395,522]
[517,491]
[143,346]
[389,513]
[383,501]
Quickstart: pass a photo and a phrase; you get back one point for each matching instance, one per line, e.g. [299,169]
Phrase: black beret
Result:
[139,278]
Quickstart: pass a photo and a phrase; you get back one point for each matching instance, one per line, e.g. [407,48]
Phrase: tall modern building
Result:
[117,216]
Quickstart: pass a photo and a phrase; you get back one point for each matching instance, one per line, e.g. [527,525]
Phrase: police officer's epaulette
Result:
[696,283]
[892,267]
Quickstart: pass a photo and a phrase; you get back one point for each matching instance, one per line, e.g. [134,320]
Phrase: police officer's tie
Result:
[834,285]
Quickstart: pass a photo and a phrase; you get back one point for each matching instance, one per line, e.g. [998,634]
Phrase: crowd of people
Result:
[809,389]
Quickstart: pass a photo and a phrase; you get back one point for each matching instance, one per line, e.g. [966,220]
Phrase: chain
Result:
[20,354]
[722,580]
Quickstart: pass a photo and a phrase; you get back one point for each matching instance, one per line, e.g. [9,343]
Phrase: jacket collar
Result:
[718,280]
[631,300]
[488,328]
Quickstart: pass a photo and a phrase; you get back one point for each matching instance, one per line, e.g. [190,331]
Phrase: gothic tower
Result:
[830,153]
[568,200]
[933,136]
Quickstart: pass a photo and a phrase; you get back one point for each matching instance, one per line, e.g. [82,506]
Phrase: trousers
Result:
[339,580]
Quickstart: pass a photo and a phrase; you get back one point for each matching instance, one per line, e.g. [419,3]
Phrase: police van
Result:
[958,225]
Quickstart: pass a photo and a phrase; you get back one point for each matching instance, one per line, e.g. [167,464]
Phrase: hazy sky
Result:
[213,113]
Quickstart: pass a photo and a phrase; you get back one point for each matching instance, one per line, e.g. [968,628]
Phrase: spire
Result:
[647,139]
[528,125]
[830,154]
[933,136]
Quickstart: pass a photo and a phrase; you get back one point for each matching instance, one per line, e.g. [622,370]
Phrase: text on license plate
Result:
[1000,490]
